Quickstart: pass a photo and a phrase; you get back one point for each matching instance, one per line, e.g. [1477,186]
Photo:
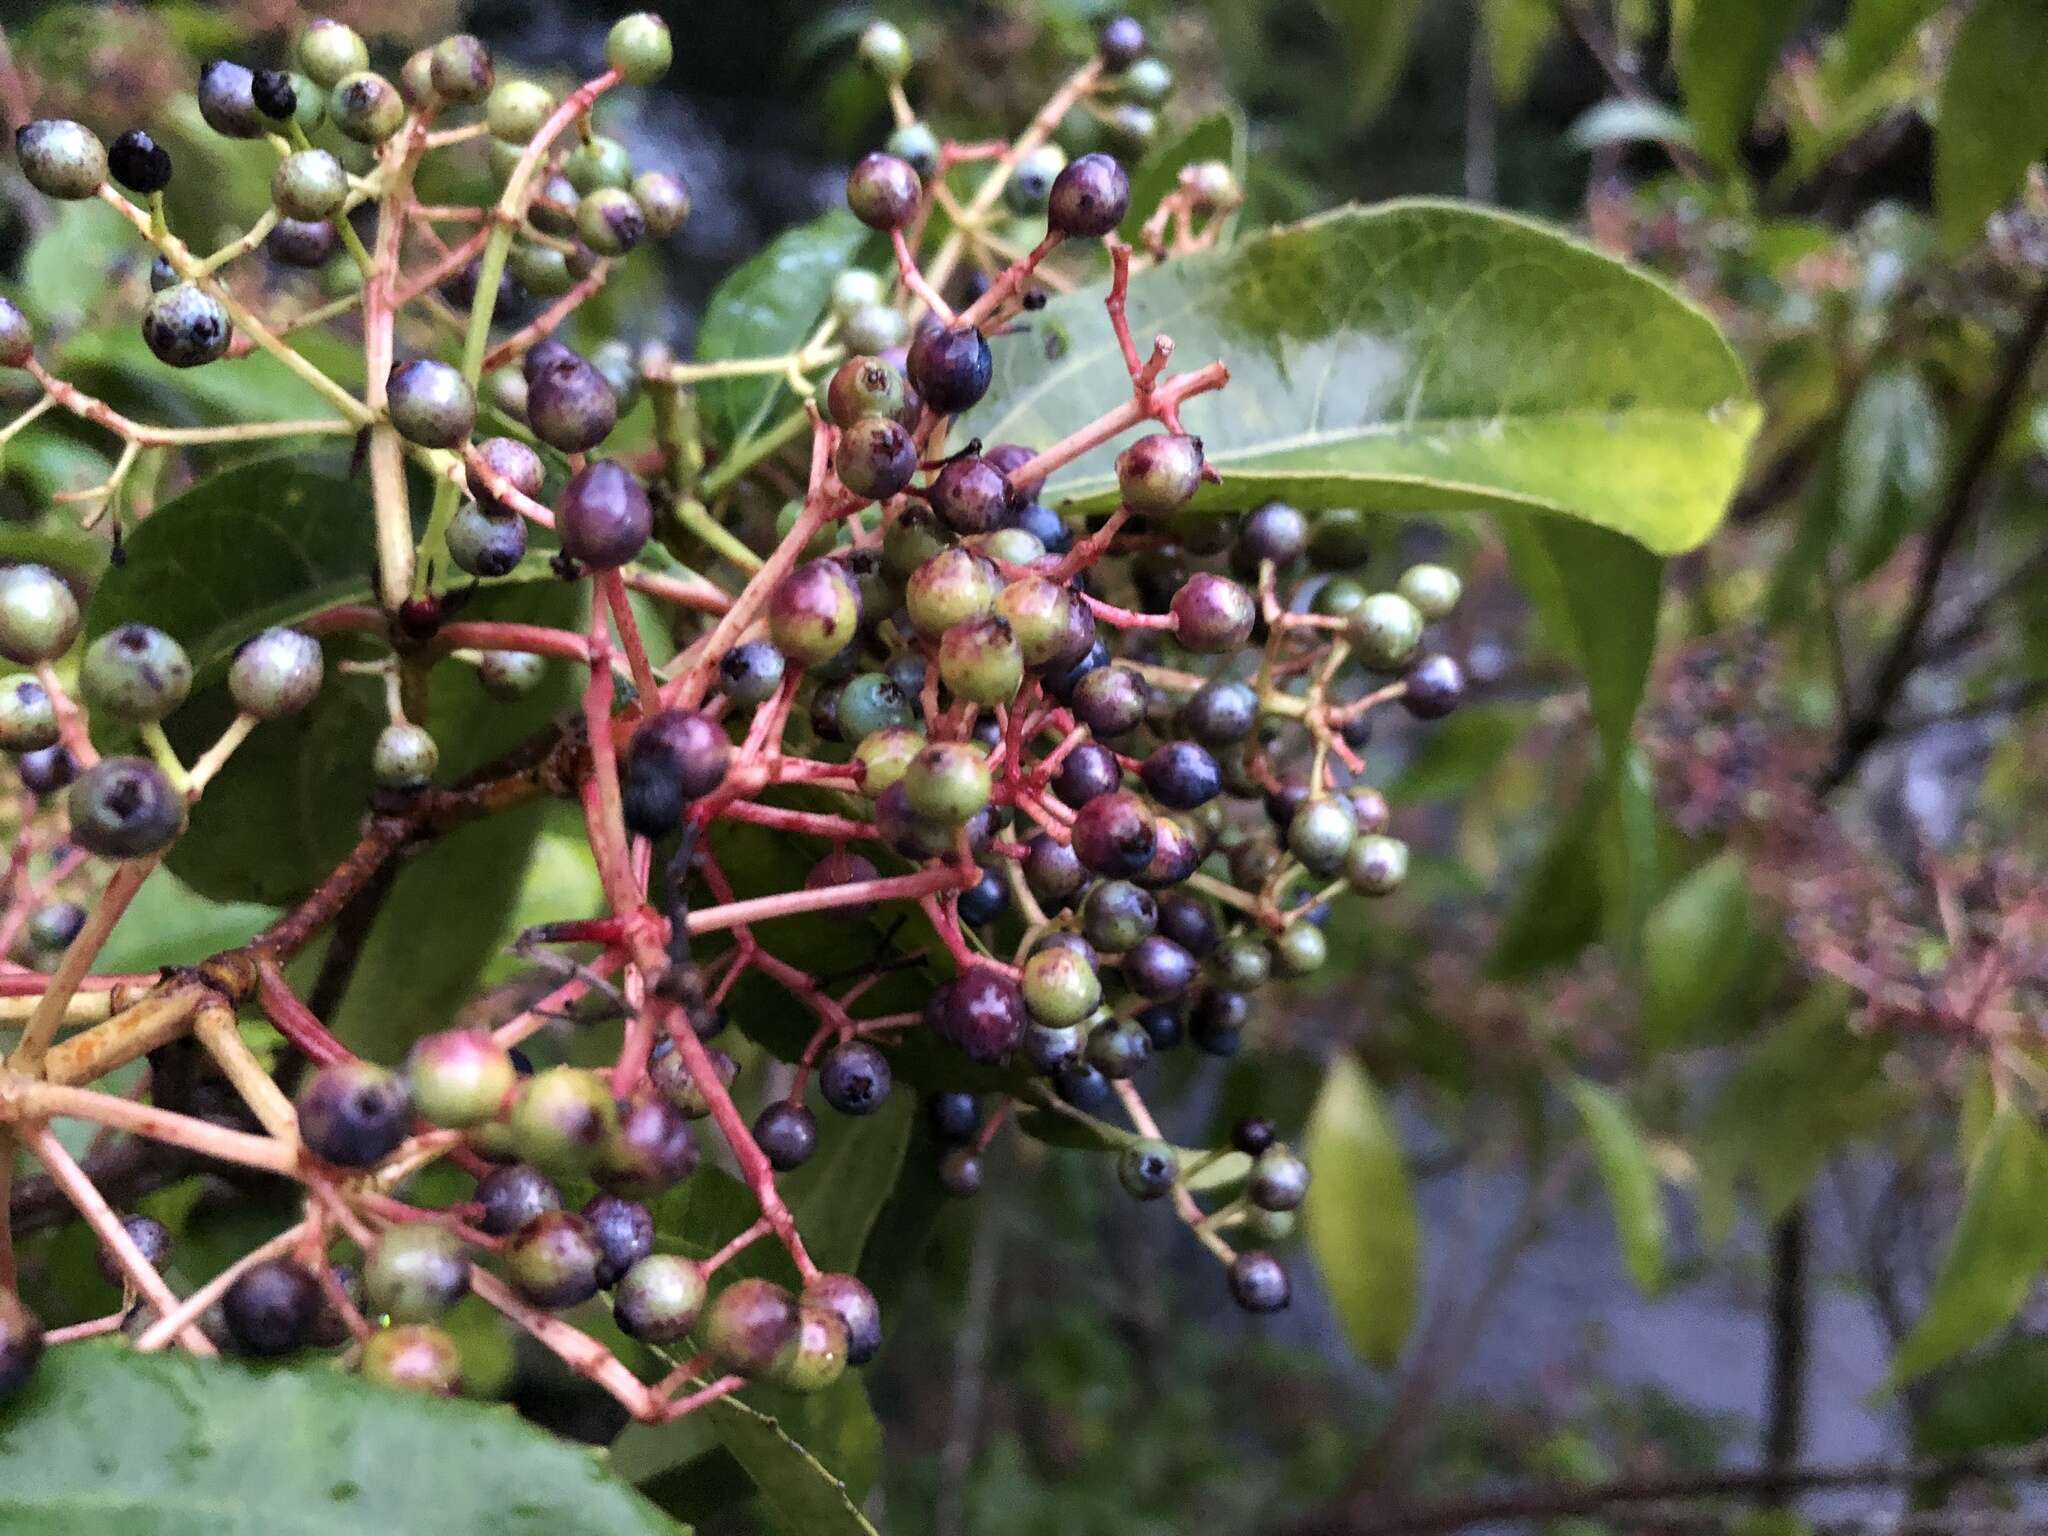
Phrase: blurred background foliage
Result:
[1681,1113]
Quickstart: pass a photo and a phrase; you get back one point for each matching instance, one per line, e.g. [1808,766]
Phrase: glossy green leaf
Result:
[1998,1248]
[1993,118]
[1725,58]
[106,1442]
[1622,1154]
[1379,34]
[770,305]
[1360,1214]
[806,1498]
[1423,357]
[1874,33]
[1517,32]
[1999,1398]
[1693,945]
[1894,443]
[1217,135]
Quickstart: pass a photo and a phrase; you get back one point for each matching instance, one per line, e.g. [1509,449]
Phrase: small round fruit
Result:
[624,1230]
[1213,614]
[1376,864]
[404,757]
[1148,81]
[816,1357]
[17,336]
[149,1235]
[917,146]
[330,50]
[885,51]
[1032,181]
[139,163]
[950,369]
[1089,198]
[513,1196]
[553,1260]
[971,495]
[953,587]
[1060,987]
[883,758]
[866,386]
[39,615]
[960,1173]
[297,243]
[787,1134]
[413,1357]
[517,109]
[60,158]
[28,715]
[459,1078]
[658,1300]
[603,517]
[431,404]
[1385,629]
[1115,834]
[664,200]
[982,1012]
[273,1308]
[483,543]
[953,1116]
[875,458]
[611,221]
[815,613]
[873,328]
[883,191]
[748,1325]
[948,782]
[21,1344]
[510,674]
[1159,473]
[1147,1169]
[854,1305]
[1040,614]
[53,925]
[1435,686]
[639,48]
[1120,43]
[854,1077]
[981,661]
[1301,950]
[561,1119]
[353,1113]
[186,327]
[1111,701]
[1181,776]
[277,673]
[1321,834]
[677,756]
[415,1272]
[651,1150]
[366,107]
[461,70]
[309,184]
[1279,1180]
[1433,589]
[1257,1282]
[135,673]
[124,808]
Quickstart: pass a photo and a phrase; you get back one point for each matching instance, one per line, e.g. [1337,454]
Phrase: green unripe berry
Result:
[309,184]
[664,200]
[330,51]
[1340,539]
[917,146]
[416,80]
[1433,589]
[459,1078]
[981,661]
[554,1260]
[863,387]
[1040,614]
[1013,546]
[1159,473]
[749,1325]
[1338,598]
[135,673]
[413,1357]
[1148,82]
[510,674]
[951,588]
[1376,865]
[1132,126]
[405,757]
[816,1357]
[610,221]
[1147,1169]
[1031,183]
[639,48]
[815,613]
[886,52]
[562,1119]
[460,70]
[517,110]
[366,107]
[855,289]
[1300,950]
[1213,185]
[541,270]
[884,756]
[60,158]
[28,715]
[873,328]
[598,162]
[948,782]
[1321,834]
[415,1272]
[870,703]
[1385,630]
[658,1299]
[1061,987]
[39,616]
[1242,964]
[277,673]
[431,404]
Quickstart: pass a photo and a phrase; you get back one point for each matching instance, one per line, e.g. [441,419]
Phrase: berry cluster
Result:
[1108,767]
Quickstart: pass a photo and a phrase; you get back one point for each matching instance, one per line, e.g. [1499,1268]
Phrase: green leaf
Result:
[1999,1398]
[1725,58]
[838,1194]
[806,1498]
[1624,120]
[1380,34]
[1557,911]
[1517,32]
[106,1442]
[1418,357]
[169,923]
[1455,757]
[1622,1154]
[1874,34]
[1993,119]
[770,305]
[1360,1214]
[1999,1246]
[1692,948]
[1894,442]
[1217,135]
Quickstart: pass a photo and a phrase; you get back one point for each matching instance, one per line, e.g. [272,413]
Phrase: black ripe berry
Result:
[950,369]
[514,1195]
[982,1012]
[272,1308]
[139,163]
[1435,686]
[971,495]
[953,1117]
[854,1078]
[624,1232]
[674,758]
[1115,834]
[1258,1283]
[1120,43]
[1089,198]
[21,1344]
[274,94]
[787,1134]
[883,192]
[352,1113]
[604,517]
[569,404]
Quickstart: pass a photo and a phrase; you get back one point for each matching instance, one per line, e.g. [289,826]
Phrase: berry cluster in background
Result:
[1098,778]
